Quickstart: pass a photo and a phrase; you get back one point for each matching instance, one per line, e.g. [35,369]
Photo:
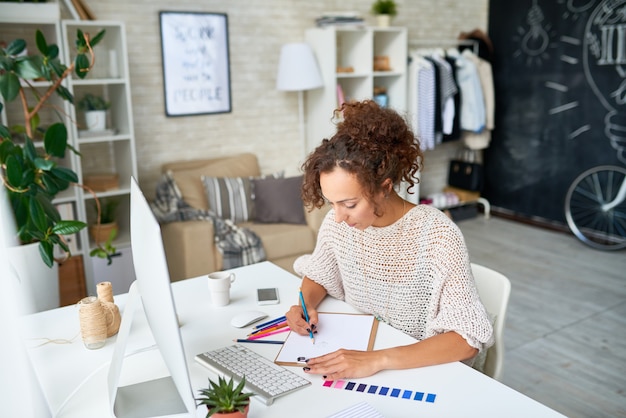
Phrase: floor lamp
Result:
[298,71]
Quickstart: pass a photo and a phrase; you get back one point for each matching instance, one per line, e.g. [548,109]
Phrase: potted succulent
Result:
[30,173]
[384,10]
[224,399]
[94,108]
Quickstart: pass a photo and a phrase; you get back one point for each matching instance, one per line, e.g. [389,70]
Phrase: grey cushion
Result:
[278,200]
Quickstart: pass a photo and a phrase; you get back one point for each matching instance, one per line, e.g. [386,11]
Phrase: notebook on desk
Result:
[335,331]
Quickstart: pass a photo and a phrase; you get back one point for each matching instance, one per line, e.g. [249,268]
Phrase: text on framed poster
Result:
[196,67]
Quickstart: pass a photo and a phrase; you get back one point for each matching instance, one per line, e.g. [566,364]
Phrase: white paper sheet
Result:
[334,331]
[360,410]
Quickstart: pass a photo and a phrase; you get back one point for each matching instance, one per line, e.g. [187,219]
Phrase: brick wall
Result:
[263,120]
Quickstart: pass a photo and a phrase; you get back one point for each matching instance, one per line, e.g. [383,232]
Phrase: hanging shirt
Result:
[473,104]
[422,84]
[481,140]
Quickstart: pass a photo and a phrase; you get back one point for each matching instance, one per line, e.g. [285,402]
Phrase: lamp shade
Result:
[297,69]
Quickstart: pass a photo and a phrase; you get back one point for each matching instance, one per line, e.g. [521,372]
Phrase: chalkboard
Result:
[560,82]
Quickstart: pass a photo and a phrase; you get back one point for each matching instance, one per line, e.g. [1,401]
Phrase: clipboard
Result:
[336,330]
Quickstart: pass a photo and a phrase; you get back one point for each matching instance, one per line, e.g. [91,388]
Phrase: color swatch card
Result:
[334,331]
[381,390]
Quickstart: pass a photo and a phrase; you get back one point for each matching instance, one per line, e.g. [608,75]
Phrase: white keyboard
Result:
[265,379]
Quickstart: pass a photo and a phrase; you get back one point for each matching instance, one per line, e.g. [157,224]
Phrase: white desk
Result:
[74,378]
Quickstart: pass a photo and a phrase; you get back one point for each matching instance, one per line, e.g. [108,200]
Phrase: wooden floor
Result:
[565,332]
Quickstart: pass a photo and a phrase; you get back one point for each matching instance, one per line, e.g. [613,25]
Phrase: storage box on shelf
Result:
[346,57]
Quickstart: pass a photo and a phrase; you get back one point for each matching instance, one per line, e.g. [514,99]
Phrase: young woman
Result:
[407,265]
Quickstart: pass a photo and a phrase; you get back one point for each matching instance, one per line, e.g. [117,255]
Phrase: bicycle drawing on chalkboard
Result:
[595,207]
[595,204]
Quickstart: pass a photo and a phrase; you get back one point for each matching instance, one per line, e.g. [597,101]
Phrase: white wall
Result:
[263,120]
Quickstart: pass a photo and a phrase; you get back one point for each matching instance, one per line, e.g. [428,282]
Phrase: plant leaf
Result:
[30,68]
[14,171]
[16,47]
[96,39]
[4,131]
[45,250]
[43,164]
[49,209]
[55,140]
[37,215]
[65,94]
[53,51]
[64,173]
[82,65]
[40,40]
[81,45]
[30,152]
[9,86]
[68,227]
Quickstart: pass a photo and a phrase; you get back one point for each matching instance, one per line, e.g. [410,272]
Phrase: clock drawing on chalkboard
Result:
[604,62]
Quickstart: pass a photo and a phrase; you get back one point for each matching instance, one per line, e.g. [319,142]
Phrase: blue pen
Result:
[306,316]
[272,322]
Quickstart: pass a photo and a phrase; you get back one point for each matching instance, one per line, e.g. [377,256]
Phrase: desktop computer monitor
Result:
[172,395]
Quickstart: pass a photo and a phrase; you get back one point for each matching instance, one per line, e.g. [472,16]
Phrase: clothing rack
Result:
[442,43]
[445,42]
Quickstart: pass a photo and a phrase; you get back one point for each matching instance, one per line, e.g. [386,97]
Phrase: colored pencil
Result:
[267,334]
[306,316]
[273,321]
[259,341]
[270,328]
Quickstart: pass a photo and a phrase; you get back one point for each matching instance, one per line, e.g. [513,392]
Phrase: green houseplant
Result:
[224,397]
[94,108]
[384,7]
[384,10]
[31,174]
[92,102]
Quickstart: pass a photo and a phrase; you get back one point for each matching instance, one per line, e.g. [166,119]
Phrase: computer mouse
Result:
[246,318]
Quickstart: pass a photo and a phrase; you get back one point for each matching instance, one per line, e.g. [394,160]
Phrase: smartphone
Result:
[267,296]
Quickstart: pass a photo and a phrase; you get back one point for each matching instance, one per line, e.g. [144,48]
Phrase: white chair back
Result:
[494,290]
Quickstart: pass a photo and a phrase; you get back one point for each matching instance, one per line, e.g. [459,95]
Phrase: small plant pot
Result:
[235,414]
[101,233]
[383,21]
[96,120]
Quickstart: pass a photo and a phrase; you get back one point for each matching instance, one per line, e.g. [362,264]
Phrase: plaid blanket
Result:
[239,246]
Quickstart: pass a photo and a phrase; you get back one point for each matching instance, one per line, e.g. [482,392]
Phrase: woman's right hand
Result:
[296,321]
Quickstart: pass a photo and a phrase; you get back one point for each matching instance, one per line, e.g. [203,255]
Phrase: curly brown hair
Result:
[371,142]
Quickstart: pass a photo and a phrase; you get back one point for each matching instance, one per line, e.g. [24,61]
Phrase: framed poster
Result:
[196,67]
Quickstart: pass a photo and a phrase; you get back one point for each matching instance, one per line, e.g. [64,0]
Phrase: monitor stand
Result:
[153,398]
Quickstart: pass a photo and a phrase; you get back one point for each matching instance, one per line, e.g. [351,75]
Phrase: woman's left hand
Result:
[344,364]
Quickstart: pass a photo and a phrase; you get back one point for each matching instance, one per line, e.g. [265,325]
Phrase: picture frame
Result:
[196,63]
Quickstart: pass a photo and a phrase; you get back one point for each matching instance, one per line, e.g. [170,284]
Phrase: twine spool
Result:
[105,291]
[113,317]
[93,325]
[112,312]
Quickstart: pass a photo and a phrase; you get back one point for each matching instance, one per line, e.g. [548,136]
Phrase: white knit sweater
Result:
[414,274]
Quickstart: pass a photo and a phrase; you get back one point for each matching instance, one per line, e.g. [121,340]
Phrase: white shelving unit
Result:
[355,48]
[112,152]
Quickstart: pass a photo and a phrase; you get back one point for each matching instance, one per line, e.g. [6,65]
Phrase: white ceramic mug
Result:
[219,286]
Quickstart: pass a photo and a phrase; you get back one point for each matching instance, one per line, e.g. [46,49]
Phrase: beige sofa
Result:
[190,245]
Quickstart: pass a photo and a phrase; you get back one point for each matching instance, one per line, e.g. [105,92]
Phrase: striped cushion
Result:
[232,197]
